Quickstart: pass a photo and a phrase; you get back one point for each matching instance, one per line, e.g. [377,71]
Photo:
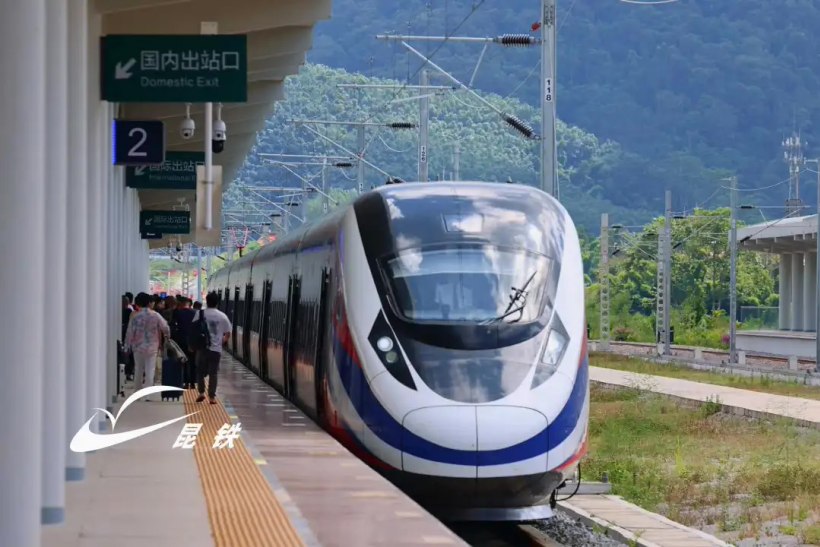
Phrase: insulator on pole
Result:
[520,126]
[401,125]
[516,40]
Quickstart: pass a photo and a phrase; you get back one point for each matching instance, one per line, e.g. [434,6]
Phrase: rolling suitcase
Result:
[171,377]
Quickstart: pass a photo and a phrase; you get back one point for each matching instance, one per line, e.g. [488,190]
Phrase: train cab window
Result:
[469,283]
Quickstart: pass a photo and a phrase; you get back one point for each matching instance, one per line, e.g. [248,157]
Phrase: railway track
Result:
[497,534]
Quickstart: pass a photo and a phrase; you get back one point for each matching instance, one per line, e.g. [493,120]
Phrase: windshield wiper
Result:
[519,296]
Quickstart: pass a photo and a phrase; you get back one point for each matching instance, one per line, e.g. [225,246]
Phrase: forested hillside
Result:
[489,149]
[682,86]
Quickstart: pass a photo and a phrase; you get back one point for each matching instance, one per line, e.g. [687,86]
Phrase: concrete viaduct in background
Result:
[70,242]
[795,241]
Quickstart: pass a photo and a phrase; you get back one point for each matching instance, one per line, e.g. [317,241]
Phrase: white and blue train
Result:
[436,330]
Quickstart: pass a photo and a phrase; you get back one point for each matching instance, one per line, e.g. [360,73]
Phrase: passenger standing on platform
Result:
[169,309]
[144,337]
[181,333]
[207,361]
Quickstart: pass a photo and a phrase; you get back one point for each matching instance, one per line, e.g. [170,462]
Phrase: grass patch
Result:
[810,535]
[701,468]
[758,383]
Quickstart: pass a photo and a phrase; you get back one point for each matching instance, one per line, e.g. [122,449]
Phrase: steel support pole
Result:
[198,272]
[22,274]
[424,126]
[360,165]
[549,156]
[78,208]
[817,280]
[457,162]
[667,273]
[603,283]
[733,273]
[324,187]
[209,161]
[209,28]
[208,270]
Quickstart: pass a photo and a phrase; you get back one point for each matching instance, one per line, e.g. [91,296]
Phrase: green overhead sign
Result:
[178,172]
[190,68]
[165,222]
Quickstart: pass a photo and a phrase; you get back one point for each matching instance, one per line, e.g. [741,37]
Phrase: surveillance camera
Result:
[219,137]
[187,128]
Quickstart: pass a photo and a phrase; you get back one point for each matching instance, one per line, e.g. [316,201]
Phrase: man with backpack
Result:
[210,331]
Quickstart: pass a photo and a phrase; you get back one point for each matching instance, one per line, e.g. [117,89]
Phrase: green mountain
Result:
[680,86]
[594,175]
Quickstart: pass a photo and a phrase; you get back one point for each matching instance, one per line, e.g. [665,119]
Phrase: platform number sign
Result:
[138,142]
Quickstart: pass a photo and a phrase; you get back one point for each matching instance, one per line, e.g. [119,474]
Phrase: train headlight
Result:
[385,343]
[557,341]
[387,349]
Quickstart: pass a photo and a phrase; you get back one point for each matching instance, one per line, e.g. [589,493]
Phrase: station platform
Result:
[633,525]
[805,412]
[283,482]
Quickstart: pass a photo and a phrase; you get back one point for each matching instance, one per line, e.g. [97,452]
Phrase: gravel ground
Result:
[573,533]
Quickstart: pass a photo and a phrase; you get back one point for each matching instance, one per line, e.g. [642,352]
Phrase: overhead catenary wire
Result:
[476,5]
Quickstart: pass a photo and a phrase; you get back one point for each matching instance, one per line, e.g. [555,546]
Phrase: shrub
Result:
[623,334]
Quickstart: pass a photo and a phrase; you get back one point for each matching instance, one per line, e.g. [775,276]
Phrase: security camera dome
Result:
[187,128]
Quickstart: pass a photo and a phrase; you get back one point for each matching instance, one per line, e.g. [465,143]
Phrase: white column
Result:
[797,292]
[77,411]
[54,308]
[93,282]
[785,281]
[112,299]
[22,248]
[810,292]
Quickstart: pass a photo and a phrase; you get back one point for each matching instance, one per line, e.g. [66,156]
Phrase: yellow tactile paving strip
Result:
[242,508]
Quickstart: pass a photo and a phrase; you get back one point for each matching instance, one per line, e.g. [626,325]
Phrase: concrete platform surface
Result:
[141,492]
[633,525]
[802,410]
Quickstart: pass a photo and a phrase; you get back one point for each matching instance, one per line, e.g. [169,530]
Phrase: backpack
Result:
[200,337]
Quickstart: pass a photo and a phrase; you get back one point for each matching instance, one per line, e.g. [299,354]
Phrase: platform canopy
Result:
[279,34]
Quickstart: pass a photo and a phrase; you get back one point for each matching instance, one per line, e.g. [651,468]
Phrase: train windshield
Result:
[470,284]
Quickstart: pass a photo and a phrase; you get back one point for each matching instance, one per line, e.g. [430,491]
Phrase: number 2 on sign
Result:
[134,152]
[548,90]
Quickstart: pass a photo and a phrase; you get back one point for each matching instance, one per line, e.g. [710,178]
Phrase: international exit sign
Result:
[165,222]
[188,68]
[178,172]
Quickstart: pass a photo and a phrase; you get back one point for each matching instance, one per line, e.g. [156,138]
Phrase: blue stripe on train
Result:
[391,432]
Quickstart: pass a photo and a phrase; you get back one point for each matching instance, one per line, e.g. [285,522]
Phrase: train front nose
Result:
[463,461]
[474,441]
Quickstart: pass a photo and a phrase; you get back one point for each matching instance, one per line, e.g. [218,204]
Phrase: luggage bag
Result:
[171,377]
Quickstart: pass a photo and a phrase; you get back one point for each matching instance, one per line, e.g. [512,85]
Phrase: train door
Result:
[264,330]
[234,317]
[319,360]
[246,325]
[291,336]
